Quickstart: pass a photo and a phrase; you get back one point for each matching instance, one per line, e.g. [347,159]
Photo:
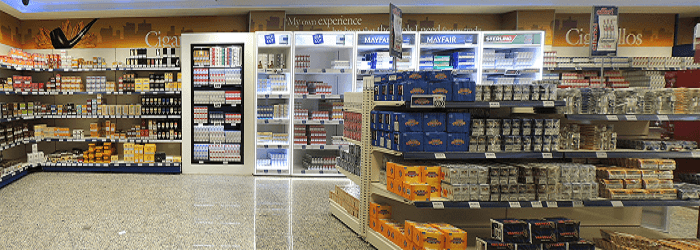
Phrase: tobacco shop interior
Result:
[404,125]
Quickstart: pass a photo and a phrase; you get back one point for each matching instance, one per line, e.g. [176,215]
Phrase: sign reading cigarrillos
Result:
[634,30]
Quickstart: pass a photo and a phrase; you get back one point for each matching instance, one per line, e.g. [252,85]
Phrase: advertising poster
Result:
[604,32]
[396,34]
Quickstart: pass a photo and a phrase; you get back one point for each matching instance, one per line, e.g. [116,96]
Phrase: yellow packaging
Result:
[453,238]
[391,185]
[435,190]
[177,158]
[373,224]
[417,191]
[380,211]
[149,148]
[114,158]
[138,149]
[383,227]
[410,174]
[399,188]
[428,238]
[390,170]
[430,175]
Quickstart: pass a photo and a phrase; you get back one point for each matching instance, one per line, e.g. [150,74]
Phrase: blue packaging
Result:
[373,118]
[394,81]
[444,75]
[415,84]
[408,122]
[434,122]
[457,142]
[464,90]
[441,88]
[580,245]
[380,120]
[528,247]
[388,126]
[388,140]
[395,141]
[458,122]
[567,230]
[435,142]
[554,246]
[410,142]
[542,231]
[398,91]
[375,137]
[510,230]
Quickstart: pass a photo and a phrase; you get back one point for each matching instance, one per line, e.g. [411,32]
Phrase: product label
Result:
[457,142]
[413,143]
[435,142]
[318,39]
[434,123]
[427,39]
[440,91]
[270,39]
[381,39]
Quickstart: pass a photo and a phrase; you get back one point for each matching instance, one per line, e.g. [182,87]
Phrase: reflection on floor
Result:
[135,211]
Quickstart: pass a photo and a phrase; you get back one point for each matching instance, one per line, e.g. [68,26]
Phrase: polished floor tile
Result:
[141,211]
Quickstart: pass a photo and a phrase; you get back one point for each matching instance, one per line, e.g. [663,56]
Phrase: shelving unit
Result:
[324,70]
[463,48]
[274,101]
[82,121]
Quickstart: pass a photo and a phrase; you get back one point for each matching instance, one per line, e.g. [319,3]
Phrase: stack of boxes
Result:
[352,125]
[637,179]
[347,197]
[104,153]
[149,153]
[535,234]
[413,235]
[418,132]
[350,160]
[514,135]
[402,86]
[413,182]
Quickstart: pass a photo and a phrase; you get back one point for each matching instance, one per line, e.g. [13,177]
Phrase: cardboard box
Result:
[417,191]
[409,142]
[409,174]
[428,238]
[434,122]
[554,246]
[380,211]
[458,122]
[441,88]
[567,230]
[457,142]
[542,231]
[390,170]
[463,91]
[430,174]
[488,244]
[373,224]
[454,238]
[407,122]
[149,148]
[507,230]
[435,142]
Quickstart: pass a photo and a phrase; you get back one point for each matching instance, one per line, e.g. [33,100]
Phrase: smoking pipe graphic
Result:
[59,40]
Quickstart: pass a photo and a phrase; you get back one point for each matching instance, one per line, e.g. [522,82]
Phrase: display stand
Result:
[231,52]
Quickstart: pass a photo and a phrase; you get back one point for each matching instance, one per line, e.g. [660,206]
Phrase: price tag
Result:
[217,85]
[552,204]
[440,156]
[438,205]
[631,117]
[490,155]
[536,204]
[217,105]
[547,155]
[474,205]
[611,117]
[514,204]
[201,162]
[494,105]
[225,162]
[601,154]
[617,204]
[548,103]
[578,203]
[662,117]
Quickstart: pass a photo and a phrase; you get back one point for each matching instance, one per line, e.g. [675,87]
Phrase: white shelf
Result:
[320,147]
[323,97]
[354,178]
[318,122]
[379,241]
[352,141]
[273,121]
[274,96]
[379,189]
[273,146]
[351,221]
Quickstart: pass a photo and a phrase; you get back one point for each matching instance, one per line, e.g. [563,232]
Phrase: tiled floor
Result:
[135,211]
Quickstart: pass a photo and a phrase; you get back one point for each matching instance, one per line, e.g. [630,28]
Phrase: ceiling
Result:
[51,9]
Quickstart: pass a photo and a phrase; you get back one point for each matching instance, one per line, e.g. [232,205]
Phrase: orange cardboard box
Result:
[429,238]
[406,244]
[454,238]
[435,190]
[390,170]
[383,227]
[400,188]
[380,211]
[373,223]
[410,228]
[409,174]
[417,191]
[430,175]
[391,185]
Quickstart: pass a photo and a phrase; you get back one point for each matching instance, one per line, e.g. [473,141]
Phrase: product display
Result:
[311,162]
[629,101]
[217,152]
[272,61]
[548,233]
[352,125]
[350,159]
[274,84]
[274,159]
[589,137]
[347,197]
[616,240]
[280,111]
[637,179]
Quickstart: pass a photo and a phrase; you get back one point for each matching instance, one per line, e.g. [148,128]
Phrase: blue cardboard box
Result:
[415,84]
[463,90]
[458,122]
[373,118]
[375,137]
[388,140]
[444,75]
[408,122]
[434,122]
[388,125]
[457,142]
[441,88]
[435,142]
[410,142]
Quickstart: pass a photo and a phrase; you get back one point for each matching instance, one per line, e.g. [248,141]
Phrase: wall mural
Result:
[58,37]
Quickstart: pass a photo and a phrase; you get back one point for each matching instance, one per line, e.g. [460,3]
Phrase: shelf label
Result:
[546,155]
[514,204]
[217,105]
[601,154]
[631,117]
[490,155]
[217,85]
[201,162]
[548,103]
[440,156]
[617,203]
[577,204]
[318,39]
[552,204]
[270,39]
[438,205]
[494,105]
[611,117]
[474,205]
[536,204]
[662,117]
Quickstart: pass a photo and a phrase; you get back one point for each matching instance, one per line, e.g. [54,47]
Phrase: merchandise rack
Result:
[621,215]
[164,168]
[322,49]
[14,176]
[171,147]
